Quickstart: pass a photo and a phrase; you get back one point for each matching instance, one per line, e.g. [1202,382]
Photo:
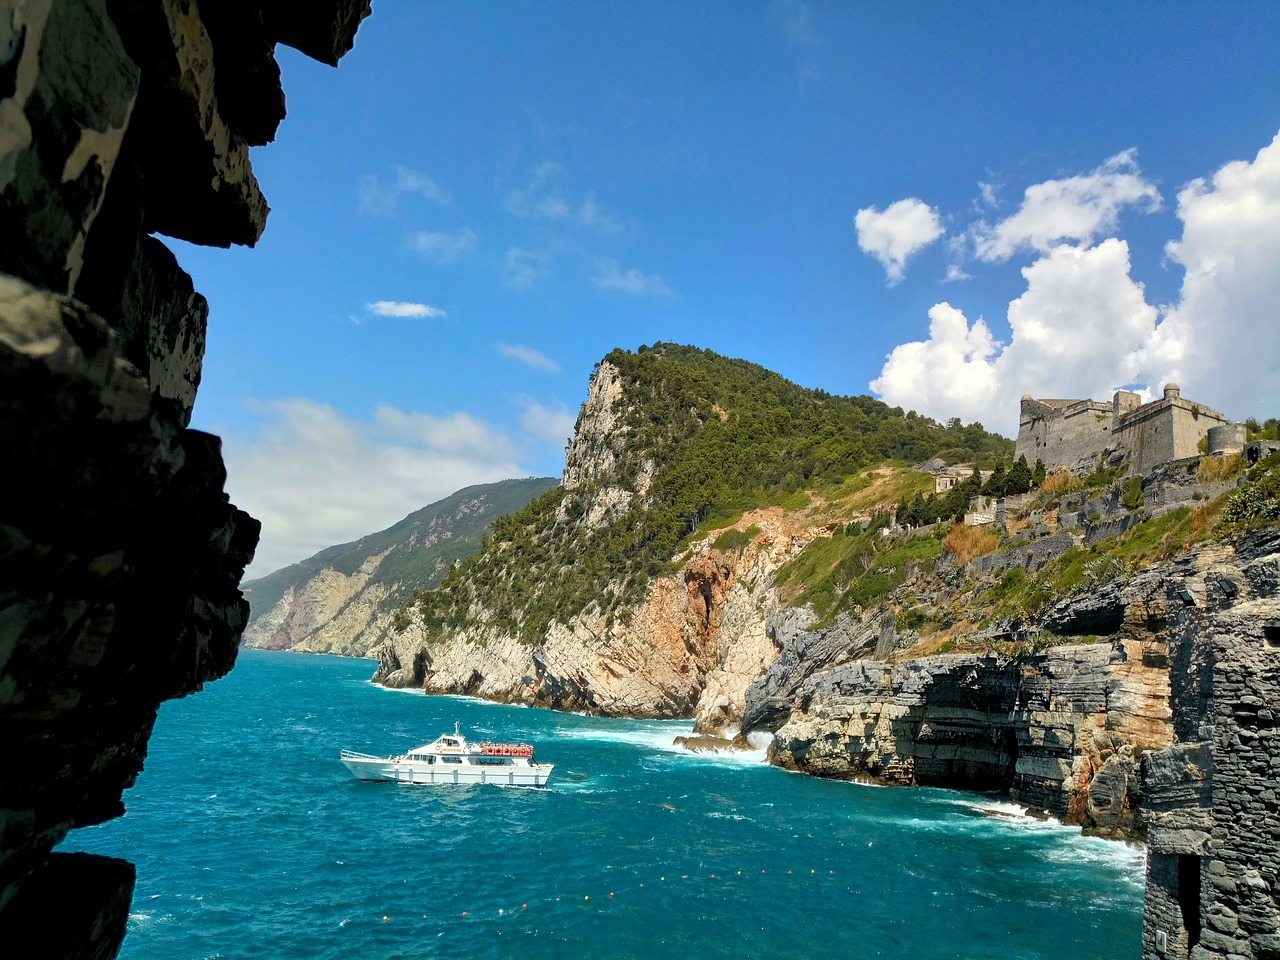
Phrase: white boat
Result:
[451,759]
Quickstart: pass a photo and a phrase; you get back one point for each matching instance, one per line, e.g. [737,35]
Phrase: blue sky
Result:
[945,205]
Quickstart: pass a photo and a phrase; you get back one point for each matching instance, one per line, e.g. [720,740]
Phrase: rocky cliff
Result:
[1059,727]
[343,599]
[120,555]
[689,648]
[642,585]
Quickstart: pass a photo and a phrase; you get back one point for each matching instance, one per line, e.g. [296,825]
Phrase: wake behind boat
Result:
[451,759]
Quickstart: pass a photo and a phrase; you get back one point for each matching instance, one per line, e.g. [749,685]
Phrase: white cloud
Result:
[553,424]
[1081,329]
[1077,208]
[610,275]
[315,477]
[956,273]
[529,357]
[526,268]
[377,197]
[897,232]
[544,198]
[444,246]
[1221,339]
[401,308]
[989,192]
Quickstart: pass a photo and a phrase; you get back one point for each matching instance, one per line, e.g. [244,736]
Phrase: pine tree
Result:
[1018,480]
[994,487]
[1037,475]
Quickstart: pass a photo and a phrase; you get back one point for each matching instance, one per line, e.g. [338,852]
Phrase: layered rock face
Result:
[1063,730]
[120,555]
[1059,731]
[1211,801]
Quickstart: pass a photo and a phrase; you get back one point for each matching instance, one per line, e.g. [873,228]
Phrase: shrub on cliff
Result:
[1255,504]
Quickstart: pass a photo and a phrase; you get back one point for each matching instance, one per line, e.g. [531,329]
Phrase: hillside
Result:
[723,546]
[342,599]
[618,591]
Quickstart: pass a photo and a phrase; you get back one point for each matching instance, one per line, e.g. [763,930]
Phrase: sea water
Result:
[252,840]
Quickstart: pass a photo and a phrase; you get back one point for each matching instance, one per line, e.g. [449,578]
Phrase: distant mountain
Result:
[342,599]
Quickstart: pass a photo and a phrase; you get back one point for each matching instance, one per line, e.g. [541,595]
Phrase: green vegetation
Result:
[1131,493]
[734,540]
[1267,430]
[849,570]
[1256,503]
[722,436]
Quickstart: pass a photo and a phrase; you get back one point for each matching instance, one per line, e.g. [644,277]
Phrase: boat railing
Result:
[354,755]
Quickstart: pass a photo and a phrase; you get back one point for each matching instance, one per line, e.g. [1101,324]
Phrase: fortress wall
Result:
[1064,437]
[1164,430]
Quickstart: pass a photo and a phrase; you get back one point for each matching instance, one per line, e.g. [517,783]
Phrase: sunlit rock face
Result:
[120,554]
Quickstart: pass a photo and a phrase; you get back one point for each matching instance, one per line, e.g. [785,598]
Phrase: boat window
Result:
[452,759]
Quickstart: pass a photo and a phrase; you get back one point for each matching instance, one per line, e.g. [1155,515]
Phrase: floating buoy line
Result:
[611,894]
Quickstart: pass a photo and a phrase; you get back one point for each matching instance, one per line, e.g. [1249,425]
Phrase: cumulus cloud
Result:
[316,477]
[529,357]
[1079,208]
[443,246]
[1221,335]
[526,268]
[544,197]
[382,198]
[895,233]
[402,308]
[611,275]
[1081,329]
[553,424]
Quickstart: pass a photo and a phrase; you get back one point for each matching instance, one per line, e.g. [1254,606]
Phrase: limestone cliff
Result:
[343,599]
[689,648]
[642,585]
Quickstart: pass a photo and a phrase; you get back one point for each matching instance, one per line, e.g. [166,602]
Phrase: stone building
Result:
[947,477]
[1081,435]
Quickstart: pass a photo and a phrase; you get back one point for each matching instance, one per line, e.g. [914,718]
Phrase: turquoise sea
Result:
[252,840]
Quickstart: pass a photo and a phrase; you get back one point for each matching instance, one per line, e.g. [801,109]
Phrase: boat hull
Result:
[416,771]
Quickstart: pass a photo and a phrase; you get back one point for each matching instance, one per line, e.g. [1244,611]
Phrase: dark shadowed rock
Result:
[120,554]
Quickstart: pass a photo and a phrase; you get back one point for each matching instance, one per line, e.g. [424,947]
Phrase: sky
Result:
[942,205]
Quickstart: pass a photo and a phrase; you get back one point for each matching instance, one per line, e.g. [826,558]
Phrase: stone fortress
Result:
[1082,436]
